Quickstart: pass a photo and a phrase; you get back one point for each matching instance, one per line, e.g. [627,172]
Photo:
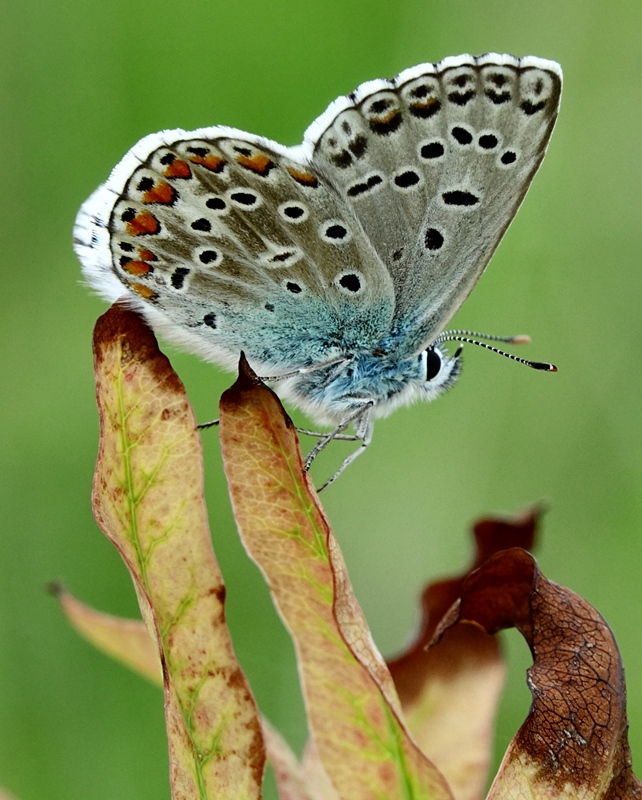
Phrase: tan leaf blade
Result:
[353,709]
[449,693]
[573,743]
[148,501]
[124,640]
[294,780]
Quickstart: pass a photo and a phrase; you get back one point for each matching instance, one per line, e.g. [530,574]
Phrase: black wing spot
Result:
[498,97]
[244,151]
[294,212]
[530,108]
[406,179]
[433,239]
[336,231]
[216,203]
[201,224]
[281,258]
[461,135]
[201,152]
[488,141]
[432,150]
[210,320]
[360,188]
[498,79]
[461,80]
[379,106]
[421,91]
[358,146]
[460,198]
[244,198]
[387,125]
[461,98]
[208,256]
[350,282]
[343,159]
[145,184]
[269,307]
[167,159]
[126,246]
[128,214]
[293,287]
[509,157]
[178,277]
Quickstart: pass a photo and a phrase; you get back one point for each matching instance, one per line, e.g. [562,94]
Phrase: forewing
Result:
[229,242]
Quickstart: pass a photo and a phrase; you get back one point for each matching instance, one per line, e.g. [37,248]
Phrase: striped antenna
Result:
[464,337]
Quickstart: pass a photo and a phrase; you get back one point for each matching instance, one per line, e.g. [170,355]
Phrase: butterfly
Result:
[334,265]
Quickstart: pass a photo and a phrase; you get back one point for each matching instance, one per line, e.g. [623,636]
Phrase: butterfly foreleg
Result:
[342,437]
[364,427]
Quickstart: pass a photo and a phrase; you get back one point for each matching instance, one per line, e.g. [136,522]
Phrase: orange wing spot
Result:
[258,163]
[136,267]
[389,117]
[303,177]
[161,192]
[146,255]
[210,161]
[143,223]
[146,292]
[426,106]
[178,169]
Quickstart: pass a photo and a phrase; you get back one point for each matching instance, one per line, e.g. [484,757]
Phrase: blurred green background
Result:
[81,81]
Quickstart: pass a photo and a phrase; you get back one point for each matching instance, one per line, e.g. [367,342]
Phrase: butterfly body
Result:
[336,263]
[381,381]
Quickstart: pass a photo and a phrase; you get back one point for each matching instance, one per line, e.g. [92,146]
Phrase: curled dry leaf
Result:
[148,501]
[573,744]
[353,709]
[305,780]
[449,694]
[124,640]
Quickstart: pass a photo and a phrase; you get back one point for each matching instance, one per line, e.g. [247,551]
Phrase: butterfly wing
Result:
[229,242]
[435,164]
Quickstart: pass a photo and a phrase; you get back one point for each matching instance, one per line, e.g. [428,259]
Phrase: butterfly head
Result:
[439,370]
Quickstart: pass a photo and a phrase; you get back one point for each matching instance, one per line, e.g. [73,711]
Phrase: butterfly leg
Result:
[343,437]
[364,428]
[211,424]
[353,417]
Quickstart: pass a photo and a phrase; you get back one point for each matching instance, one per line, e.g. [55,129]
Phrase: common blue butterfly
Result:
[336,264]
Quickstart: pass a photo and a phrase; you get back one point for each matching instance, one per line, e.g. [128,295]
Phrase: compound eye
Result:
[433,363]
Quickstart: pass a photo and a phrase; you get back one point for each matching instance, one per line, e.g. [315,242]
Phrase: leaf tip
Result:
[126,329]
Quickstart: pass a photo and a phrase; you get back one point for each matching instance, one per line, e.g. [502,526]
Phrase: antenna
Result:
[464,336]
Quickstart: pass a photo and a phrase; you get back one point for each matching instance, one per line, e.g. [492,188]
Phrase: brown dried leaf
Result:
[353,709]
[449,694]
[573,744]
[148,501]
[296,780]
[125,640]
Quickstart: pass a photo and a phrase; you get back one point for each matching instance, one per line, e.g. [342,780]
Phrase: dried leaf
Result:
[450,693]
[352,706]
[148,501]
[573,744]
[124,640]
